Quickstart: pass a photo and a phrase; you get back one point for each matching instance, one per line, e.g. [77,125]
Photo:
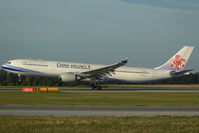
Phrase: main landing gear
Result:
[96,86]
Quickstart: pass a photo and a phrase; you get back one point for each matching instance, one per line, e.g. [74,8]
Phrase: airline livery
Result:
[75,72]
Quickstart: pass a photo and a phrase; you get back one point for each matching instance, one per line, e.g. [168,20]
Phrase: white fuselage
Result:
[54,68]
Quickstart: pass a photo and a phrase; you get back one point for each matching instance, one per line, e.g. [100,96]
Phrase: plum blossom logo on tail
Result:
[177,62]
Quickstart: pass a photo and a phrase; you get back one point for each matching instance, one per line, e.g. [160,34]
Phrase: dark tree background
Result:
[10,79]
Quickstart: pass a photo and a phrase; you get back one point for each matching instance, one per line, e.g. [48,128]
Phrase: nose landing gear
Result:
[19,77]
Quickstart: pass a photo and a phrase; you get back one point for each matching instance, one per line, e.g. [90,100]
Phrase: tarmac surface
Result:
[103,110]
[98,111]
[119,90]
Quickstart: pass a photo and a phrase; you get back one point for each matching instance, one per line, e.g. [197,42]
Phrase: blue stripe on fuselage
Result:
[19,69]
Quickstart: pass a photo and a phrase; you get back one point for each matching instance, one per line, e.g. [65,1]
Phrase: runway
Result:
[133,90]
[119,90]
[98,111]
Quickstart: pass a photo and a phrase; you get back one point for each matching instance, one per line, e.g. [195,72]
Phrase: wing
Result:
[100,73]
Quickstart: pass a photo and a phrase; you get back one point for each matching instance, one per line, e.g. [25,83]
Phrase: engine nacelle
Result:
[69,77]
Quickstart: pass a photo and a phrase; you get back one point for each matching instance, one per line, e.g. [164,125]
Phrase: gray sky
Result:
[99,31]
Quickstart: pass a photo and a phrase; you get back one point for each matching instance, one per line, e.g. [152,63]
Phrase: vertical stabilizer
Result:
[179,60]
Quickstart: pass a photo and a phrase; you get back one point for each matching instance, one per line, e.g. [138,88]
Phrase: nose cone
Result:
[4,66]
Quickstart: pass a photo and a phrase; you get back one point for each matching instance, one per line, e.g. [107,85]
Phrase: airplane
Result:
[94,73]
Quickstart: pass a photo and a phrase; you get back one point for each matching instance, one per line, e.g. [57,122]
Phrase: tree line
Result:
[10,79]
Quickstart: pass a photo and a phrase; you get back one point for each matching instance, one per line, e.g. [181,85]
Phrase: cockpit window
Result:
[9,62]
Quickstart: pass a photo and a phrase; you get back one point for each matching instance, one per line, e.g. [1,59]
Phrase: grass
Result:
[100,98]
[93,124]
[115,86]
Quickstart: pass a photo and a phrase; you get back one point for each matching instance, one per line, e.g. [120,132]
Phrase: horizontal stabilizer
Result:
[180,73]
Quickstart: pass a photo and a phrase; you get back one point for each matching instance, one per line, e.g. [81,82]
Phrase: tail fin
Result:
[179,60]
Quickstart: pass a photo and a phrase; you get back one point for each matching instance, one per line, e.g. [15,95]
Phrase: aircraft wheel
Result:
[96,87]
[99,88]
[93,87]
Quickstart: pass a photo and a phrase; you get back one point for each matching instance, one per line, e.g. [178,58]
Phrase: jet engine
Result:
[69,77]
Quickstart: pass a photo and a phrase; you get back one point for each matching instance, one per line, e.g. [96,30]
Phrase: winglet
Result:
[125,60]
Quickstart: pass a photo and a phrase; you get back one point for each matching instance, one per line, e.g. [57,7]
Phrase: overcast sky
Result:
[99,31]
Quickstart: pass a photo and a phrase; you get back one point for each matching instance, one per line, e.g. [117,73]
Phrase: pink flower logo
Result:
[177,62]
